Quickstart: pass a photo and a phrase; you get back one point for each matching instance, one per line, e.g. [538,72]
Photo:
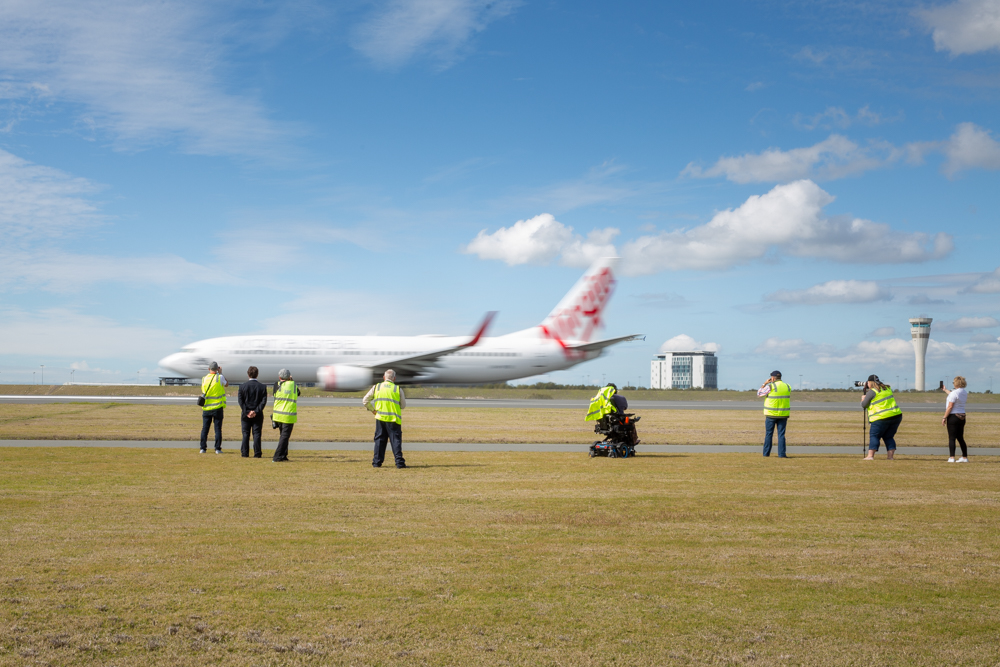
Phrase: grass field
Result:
[165,557]
[89,421]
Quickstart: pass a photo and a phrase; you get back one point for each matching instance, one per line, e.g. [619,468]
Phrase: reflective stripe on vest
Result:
[286,403]
[601,405]
[215,393]
[386,403]
[883,406]
[779,402]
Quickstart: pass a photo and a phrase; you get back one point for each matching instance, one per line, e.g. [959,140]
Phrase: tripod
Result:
[864,434]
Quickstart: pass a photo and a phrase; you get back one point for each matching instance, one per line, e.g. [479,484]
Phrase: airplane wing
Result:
[601,344]
[408,368]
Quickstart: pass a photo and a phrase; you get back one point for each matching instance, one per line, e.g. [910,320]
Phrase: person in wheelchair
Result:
[608,408]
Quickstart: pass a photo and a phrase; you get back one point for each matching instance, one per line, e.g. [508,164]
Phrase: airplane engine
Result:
[343,377]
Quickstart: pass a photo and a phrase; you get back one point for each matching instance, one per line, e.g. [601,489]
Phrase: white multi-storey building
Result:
[684,370]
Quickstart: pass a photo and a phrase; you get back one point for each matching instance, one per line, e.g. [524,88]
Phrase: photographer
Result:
[884,416]
[954,418]
[777,408]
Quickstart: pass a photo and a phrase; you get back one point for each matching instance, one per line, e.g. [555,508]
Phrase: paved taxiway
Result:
[233,447]
[521,404]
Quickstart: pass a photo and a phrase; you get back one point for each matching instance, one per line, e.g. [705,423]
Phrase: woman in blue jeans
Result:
[884,416]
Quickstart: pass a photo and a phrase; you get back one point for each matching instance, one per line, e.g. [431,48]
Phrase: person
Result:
[285,412]
[386,401]
[603,404]
[884,417]
[213,388]
[252,397]
[954,418]
[777,407]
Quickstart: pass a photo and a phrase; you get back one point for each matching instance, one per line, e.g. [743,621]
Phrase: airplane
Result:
[352,363]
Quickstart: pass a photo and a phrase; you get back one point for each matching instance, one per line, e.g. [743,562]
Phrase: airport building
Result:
[684,370]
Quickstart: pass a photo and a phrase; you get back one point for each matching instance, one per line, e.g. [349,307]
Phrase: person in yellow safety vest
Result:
[285,412]
[884,417]
[601,405]
[213,389]
[386,401]
[777,408]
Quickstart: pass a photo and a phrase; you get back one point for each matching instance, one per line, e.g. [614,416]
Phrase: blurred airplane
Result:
[350,363]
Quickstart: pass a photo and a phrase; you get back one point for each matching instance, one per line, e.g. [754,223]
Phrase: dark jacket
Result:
[252,396]
[621,405]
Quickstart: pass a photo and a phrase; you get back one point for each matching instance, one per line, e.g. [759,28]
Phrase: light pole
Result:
[73,370]
[32,377]
[43,373]
[800,381]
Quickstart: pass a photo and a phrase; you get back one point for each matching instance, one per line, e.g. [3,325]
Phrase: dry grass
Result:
[496,425]
[165,557]
[493,392]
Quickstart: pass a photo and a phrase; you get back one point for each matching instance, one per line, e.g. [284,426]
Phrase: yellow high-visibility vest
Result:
[779,402]
[601,405]
[214,391]
[286,403]
[386,403]
[883,406]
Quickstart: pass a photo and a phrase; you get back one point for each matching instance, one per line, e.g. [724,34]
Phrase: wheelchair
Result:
[620,436]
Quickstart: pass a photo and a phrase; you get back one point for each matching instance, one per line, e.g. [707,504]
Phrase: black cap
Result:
[873,378]
[776,374]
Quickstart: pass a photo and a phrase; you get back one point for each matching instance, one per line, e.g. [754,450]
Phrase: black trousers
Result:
[284,433]
[251,425]
[207,417]
[956,431]
[388,432]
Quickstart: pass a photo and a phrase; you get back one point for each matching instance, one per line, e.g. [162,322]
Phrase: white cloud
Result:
[966,26]
[541,239]
[970,147]
[834,157]
[789,349]
[883,332]
[684,343]
[789,218]
[38,202]
[834,291]
[967,324]
[988,284]
[66,333]
[838,117]
[58,271]
[402,29]
[41,209]
[148,72]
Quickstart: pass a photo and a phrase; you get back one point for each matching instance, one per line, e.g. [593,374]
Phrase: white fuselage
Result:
[497,359]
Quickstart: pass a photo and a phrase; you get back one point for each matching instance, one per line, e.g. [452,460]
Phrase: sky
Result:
[785,182]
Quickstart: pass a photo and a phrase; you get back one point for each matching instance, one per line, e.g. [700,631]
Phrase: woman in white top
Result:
[954,419]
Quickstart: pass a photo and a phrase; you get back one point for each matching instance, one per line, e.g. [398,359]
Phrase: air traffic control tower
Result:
[920,333]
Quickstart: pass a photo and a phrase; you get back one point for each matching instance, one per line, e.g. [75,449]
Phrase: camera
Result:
[860,383]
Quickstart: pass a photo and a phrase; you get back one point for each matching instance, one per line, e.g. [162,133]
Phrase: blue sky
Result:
[789,182]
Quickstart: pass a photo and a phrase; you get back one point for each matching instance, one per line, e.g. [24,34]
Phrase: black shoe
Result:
[256,456]
[245,456]
[400,465]
[376,465]
[284,460]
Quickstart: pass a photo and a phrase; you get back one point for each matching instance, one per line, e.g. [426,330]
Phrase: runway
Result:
[232,447]
[520,404]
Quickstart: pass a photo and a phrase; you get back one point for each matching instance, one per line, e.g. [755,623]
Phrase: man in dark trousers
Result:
[252,397]
[386,401]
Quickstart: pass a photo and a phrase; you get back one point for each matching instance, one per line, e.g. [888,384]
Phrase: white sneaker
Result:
[951,459]
[963,460]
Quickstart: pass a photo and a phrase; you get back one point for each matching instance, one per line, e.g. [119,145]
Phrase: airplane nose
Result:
[175,362]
